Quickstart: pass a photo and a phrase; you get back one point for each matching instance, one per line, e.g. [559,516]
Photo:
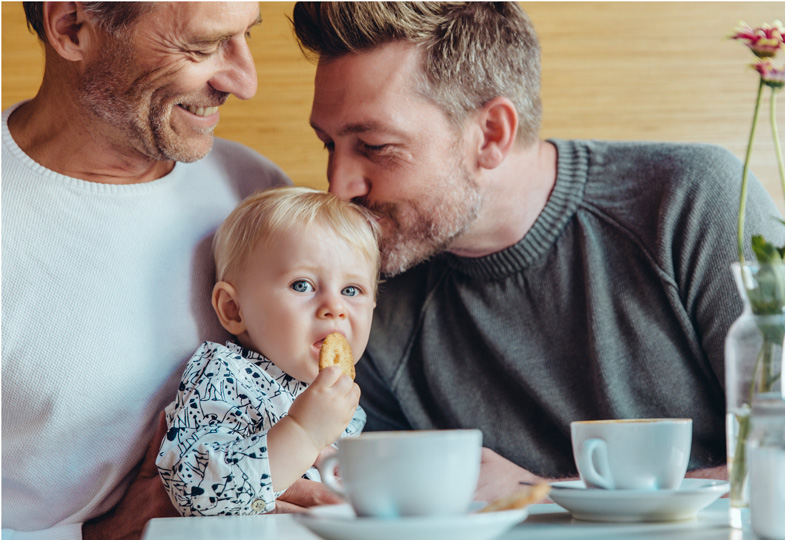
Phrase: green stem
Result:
[761,377]
[776,136]
[745,173]
[773,378]
[738,471]
[758,361]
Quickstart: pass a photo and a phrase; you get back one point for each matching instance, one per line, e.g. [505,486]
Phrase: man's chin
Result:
[190,151]
[396,262]
[400,255]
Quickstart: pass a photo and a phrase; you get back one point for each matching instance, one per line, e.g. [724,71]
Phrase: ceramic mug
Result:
[647,454]
[406,473]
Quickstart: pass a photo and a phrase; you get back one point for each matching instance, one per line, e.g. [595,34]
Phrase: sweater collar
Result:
[567,194]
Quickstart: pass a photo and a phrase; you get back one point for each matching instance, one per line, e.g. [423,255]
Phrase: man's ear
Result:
[227,308]
[498,121]
[66,29]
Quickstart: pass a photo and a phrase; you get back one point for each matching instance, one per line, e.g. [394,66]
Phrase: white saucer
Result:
[694,495]
[339,522]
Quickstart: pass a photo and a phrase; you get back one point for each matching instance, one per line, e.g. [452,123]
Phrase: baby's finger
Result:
[341,385]
[347,388]
[354,393]
[328,376]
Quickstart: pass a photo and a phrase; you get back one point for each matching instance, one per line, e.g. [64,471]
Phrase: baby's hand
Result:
[326,407]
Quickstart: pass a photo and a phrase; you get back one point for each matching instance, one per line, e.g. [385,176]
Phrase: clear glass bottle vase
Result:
[753,365]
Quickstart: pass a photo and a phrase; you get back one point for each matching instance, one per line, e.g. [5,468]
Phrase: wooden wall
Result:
[615,70]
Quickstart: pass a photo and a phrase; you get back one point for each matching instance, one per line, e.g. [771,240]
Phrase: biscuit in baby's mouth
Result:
[336,351]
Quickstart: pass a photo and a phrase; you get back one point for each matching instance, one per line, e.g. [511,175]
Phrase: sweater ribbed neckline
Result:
[567,194]
[168,181]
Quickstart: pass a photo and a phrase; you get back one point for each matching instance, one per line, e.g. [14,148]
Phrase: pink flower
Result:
[764,41]
[773,77]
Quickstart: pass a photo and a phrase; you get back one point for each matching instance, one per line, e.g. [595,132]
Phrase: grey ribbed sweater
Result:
[614,305]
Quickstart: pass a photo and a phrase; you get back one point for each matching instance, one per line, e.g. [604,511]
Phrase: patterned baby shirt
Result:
[213,460]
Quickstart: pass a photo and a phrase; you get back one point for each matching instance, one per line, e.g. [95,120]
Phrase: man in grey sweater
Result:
[530,283]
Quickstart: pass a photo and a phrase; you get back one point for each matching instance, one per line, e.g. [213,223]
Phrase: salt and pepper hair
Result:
[266,214]
[471,52]
[111,17]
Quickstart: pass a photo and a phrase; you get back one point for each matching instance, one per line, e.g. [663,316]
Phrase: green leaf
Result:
[767,296]
[765,252]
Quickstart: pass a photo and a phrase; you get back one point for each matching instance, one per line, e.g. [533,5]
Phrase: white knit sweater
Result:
[105,295]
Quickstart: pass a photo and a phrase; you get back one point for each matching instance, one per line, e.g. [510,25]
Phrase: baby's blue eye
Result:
[351,290]
[302,286]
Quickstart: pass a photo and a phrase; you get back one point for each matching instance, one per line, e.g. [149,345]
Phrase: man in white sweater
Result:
[112,185]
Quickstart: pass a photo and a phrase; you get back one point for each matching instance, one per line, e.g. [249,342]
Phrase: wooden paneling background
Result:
[615,70]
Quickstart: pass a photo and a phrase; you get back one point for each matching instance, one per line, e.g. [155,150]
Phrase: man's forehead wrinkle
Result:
[184,33]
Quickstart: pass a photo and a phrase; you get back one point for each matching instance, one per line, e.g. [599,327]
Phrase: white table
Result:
[545,522]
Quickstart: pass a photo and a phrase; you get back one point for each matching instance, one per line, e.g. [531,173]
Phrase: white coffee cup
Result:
[406,473]
[648,454]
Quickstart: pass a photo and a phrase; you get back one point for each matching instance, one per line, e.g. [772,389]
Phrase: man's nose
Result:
[346,177]
[237,75]
[332,307]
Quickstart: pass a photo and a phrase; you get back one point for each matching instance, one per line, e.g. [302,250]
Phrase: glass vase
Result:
[753,365]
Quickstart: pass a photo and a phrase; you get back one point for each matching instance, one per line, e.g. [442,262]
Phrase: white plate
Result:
[339,522]
[694,495]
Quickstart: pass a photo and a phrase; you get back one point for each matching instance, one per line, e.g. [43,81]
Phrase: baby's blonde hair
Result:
[266,214]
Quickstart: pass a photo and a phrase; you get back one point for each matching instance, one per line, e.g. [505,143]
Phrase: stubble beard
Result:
[416,230]
[127,106]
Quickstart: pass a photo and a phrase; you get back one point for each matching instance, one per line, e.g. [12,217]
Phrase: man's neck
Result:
[515,193]
[49,131]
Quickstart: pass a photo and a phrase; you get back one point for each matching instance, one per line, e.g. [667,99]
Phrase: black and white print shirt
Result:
[213,460]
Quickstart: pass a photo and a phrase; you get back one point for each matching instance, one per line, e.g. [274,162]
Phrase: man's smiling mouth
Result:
[199,111]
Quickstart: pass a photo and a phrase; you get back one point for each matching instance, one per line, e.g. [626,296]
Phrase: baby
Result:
[293,265]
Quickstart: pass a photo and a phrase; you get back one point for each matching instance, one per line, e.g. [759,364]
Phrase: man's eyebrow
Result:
[360,127]
[220,38]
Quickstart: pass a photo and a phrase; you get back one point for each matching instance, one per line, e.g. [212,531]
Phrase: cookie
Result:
[336,351]
[519,499]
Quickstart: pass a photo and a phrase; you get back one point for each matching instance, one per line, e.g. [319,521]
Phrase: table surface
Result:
[545,522]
